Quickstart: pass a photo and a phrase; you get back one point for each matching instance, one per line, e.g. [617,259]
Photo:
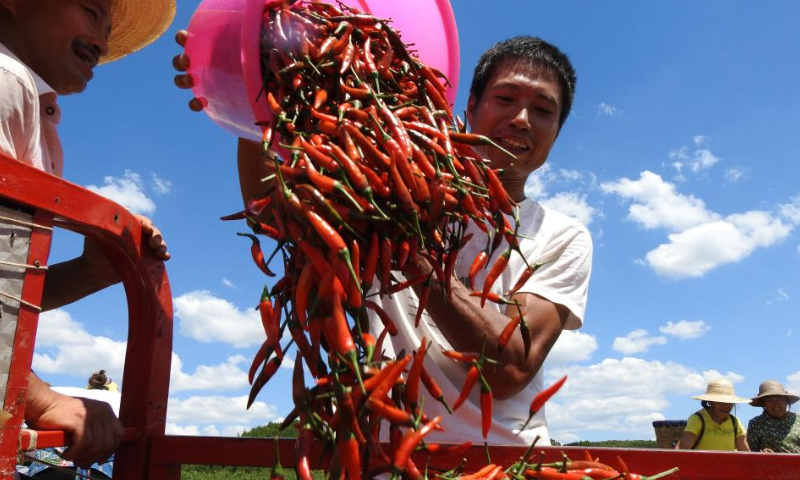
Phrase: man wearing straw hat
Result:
[50,48]
[713,427]
[776,430]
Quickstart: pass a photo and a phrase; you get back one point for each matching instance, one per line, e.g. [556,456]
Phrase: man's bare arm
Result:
[465,325]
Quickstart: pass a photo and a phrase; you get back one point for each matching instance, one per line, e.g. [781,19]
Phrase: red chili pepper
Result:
[323,160]
[375,181]
[424,295]
[451,451]
[354,92]
[412,382]
[331,237]
[407,283]
[347,57]
[303,347]
[384,317]
[466,357]
[497,269]
[234,216]
[390,413]
[481,259]
[486,408]
[370,150]
[436,96]
[449,267]
[542,397]
[423,162]
[469,382]
[433,388]
[257,254]
[425,142]
[371,262]
[320,97]
[266,373]
[352,458]
[302,451]
[304,284]
[410,441]
[498,192]
[386,262]
[353,172]
[369,60]
[388,380]
[508,330]
[549,473]
[259,358]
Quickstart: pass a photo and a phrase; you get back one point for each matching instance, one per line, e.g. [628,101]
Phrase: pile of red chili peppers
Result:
[372,171]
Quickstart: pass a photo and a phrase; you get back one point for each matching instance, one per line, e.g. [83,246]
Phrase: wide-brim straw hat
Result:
[136,24]
[772,388]
[721,390]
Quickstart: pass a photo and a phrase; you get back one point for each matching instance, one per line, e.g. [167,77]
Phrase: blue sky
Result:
[681,157]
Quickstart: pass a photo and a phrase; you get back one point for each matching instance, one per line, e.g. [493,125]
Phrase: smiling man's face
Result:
[519,109]
[62,40]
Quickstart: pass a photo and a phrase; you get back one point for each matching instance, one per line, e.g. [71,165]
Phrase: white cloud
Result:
[685,329]
[656,203]
[703,160]
[620,395]
[159,185]
[703,239]
[608,110]
[228,283]
[696,250]
[128,191]
[791,211]
[780,296]
[637,341]
[679,154]
[220,412]
[63,346]
[223,376]
[570,175]
[698,160]
[793,383]
[572,346]
[734,174]
[206,318]
[573,205]
[536,185]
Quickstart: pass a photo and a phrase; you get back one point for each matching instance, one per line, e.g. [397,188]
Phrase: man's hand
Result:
[154,238]
[181,63]
[96,432]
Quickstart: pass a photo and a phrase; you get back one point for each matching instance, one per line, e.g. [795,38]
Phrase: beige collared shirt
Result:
[29,116]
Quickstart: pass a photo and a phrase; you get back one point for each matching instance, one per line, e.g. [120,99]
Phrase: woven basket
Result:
[668,432]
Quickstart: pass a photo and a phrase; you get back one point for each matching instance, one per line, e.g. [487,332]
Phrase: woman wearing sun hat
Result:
[776,430]
[713,427]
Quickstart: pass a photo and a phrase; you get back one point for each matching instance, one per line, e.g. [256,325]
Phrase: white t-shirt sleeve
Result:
[19,117]
[565,280]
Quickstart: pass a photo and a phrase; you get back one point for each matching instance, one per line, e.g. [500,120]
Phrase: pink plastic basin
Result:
[223,47]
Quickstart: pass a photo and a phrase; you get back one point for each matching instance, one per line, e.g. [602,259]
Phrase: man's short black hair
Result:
[532,52]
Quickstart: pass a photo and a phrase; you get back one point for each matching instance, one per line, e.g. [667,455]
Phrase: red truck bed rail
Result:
[147,452]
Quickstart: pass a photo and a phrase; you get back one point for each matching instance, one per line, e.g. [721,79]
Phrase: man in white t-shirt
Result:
[520,96]
[50,48]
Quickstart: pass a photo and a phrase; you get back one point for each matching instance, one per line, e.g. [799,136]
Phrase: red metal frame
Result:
[147,453]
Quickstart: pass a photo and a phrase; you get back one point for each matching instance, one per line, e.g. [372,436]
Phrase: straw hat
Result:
[772,388]
[721,390]
[136,24]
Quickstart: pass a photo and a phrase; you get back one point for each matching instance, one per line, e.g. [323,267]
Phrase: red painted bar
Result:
[693,465]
